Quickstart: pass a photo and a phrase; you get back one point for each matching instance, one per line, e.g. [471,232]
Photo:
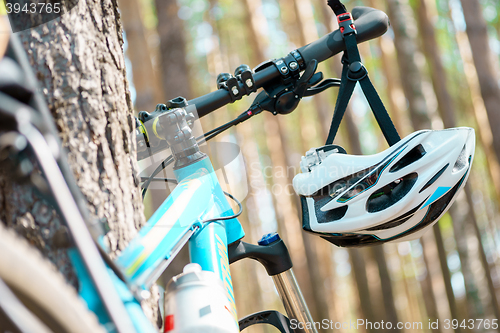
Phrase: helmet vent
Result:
[461,161]
[397,221]
[331,215]
[390,225]
[390,193]
[434,178]
[412,156]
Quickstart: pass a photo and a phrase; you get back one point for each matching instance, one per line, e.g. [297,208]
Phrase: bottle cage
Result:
[354,71]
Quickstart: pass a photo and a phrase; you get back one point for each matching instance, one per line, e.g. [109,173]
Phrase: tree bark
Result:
[174,68]
[446,273]
[78,60]
[482,255]
[386,285]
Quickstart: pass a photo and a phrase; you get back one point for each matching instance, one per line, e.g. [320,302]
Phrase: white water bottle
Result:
[195,301]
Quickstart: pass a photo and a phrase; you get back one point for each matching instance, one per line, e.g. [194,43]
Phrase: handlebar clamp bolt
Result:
[284,69]
[293,65]
[249,83]
[235,91]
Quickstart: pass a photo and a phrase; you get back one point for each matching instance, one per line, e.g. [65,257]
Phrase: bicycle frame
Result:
[197,197]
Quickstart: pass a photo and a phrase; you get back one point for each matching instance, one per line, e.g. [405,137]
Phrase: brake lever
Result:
[325,84]
[303,82]
[287,101]
[315,79]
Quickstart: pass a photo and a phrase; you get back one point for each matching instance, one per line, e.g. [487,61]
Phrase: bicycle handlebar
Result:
[370,23]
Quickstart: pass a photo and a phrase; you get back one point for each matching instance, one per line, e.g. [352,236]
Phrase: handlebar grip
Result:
[370,23]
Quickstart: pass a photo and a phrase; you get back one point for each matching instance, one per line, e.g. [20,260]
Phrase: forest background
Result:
[429,76]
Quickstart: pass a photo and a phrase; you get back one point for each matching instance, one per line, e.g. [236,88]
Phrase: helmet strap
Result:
[354,71]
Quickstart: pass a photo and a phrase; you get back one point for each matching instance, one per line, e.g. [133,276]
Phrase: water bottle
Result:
[195,301]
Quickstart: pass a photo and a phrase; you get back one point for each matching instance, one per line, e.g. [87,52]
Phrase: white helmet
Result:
[397,194]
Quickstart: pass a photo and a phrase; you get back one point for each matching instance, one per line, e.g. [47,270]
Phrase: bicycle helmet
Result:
[395,195]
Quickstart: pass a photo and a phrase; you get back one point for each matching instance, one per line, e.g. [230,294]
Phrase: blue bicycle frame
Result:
[197,197]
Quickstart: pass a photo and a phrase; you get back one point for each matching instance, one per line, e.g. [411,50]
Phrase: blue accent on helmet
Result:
[436,195]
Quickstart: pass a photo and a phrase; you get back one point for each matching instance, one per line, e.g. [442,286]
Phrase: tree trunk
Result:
[386,284]
[411,79]
[447,111]
[446,273]
[285,204]
[410,76]
[78,60]
[483,125]
[175,82]
[365,301]
[437,72]
[304,20]
[174,68]
[427,292]
[146,83]
[481,54]
[299,14]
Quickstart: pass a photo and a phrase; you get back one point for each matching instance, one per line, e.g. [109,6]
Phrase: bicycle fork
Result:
[273,255]
[293,301]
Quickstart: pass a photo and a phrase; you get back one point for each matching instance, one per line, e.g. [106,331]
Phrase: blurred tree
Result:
[300,24]
[390,79]
[279,149]
[447,112]
[174,69]
[146,84]
[481,53]
[477,105]
[427,292]
[366,309]
[411,80]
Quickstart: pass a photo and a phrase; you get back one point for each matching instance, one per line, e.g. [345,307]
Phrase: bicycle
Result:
[113,289]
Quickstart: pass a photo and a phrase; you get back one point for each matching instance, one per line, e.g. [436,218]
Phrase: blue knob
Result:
[269,238]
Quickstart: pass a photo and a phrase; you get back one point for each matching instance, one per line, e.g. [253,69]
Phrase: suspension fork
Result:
[293,300]
[273,254]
